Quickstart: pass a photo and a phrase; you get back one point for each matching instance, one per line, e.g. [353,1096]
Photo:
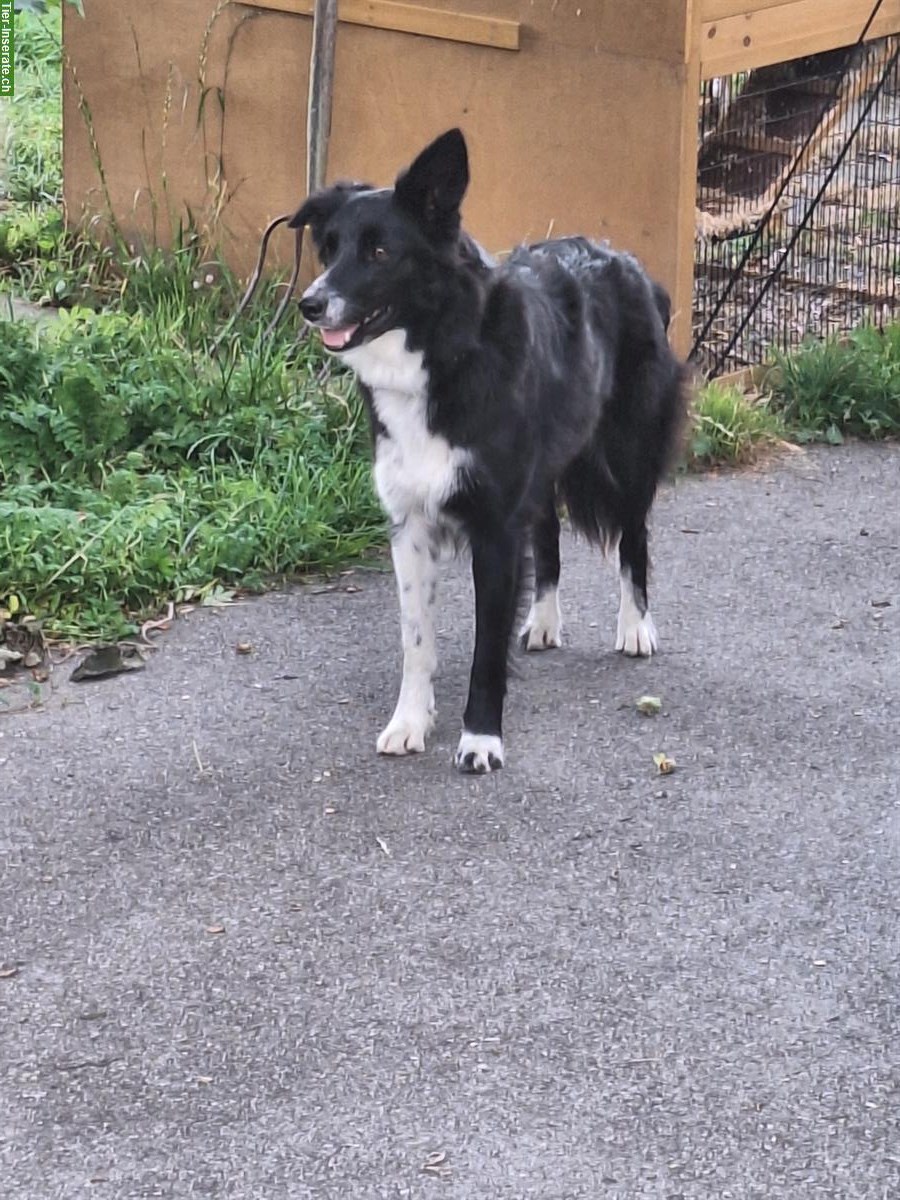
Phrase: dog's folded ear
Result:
[317,209]
[431,190]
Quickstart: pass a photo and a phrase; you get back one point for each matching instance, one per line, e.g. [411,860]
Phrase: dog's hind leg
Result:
[496,569]
[635,631]
[543,624]
[416,569]
[612,513]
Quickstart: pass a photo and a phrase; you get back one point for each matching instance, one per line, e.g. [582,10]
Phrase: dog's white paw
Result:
[405,733]
[478,753]
[636,635]
[543,626]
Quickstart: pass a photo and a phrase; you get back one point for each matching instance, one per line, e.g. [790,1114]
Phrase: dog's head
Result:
[373,242]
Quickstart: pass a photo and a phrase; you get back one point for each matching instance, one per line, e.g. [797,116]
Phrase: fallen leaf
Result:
[649,705]
[664,764]
[23,642]
[218,597]
[162,624]
[107,660]
[436,1164]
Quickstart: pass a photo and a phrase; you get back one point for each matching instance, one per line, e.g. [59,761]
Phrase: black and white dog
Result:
[495,393]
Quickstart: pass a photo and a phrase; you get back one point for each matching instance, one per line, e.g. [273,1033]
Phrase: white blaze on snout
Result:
[335,314]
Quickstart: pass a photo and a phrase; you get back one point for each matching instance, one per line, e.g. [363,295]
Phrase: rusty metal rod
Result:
[292,283]
[256,276]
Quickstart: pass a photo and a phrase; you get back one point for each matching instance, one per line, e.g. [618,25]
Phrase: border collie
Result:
[496,393]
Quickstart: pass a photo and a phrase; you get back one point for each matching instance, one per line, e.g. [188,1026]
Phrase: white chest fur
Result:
[415,470]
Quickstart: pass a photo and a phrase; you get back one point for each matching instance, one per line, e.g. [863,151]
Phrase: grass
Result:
[137,467]
[730,428]
[33,252]
[827,391]
[33,152]
[824,392]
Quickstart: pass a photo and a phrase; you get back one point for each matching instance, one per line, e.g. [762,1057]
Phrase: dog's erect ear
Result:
[431,190]
[320,207]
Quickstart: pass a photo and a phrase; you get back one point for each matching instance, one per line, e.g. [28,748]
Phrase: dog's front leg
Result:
[496,568]
[416,571]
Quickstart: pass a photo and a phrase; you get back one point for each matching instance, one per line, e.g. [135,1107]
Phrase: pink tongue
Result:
[335,339]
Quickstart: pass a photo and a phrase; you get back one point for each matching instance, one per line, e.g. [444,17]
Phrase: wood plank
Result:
[747,379]
[682,285]
[718,10]
[412,18]
[658,29]
[780,34]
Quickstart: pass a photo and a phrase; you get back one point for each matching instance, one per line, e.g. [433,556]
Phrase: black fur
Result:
[553,370]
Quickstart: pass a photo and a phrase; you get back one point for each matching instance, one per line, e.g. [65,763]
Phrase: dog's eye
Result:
[329,248]
[379,254]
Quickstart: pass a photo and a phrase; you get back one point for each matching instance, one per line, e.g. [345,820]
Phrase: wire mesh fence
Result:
[798,206]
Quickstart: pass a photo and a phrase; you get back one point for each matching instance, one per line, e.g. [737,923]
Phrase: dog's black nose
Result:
[313,307]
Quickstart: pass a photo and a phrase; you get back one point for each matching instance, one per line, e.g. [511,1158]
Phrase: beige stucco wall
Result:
[585,128]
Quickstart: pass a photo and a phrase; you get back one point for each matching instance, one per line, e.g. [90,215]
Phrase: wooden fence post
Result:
[321,92]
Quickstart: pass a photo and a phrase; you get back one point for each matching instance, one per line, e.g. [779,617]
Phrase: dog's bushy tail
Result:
[639,439]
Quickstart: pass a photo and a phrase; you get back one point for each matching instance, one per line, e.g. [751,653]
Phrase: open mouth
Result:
[345,337]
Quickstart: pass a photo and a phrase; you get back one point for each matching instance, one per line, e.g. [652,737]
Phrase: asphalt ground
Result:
[241,956]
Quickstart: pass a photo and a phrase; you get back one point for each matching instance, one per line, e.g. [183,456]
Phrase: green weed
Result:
[828,390]
[31,225]
[32,150]
[730,428]
[135,465]
[134,469]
